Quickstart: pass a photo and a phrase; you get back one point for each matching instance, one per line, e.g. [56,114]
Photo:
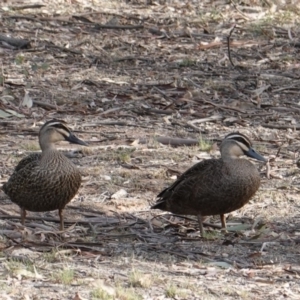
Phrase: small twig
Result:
[100,26]
[64,49]
[44,105]
[273,126]
[278,151]
[266,244]
[224,107]
[158,111]
[16,242]
[132,58]
[228,44]
[242,14]
[29,6]
[290,34]
[162,93]
[121,15]
[176,141]
[214,104]
[118,123]
[112,110]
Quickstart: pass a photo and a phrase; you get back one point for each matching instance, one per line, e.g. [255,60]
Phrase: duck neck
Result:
[227,154]
[48,149]
[230,151]
[46,143]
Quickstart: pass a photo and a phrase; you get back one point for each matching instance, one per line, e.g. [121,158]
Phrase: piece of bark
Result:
[14,43]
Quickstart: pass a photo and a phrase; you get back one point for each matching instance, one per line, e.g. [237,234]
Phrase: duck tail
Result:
[159,205]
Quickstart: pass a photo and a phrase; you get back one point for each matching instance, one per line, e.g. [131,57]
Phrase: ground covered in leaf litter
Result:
[131,78]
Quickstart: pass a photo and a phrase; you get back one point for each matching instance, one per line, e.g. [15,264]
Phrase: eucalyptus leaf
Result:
[221,264]
[15,113]
[4,114]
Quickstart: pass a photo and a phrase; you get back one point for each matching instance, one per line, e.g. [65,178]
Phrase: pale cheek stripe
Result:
[245,144]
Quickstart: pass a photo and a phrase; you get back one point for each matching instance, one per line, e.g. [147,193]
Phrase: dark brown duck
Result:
[46,181]
[215,186]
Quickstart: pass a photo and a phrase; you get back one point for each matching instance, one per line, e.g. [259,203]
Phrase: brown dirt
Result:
[122,89]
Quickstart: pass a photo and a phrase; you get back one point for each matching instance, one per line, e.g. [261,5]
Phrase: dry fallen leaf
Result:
[27,101]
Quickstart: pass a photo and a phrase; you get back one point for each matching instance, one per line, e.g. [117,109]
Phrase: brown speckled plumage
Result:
[34,157]
[215,186]
[46,181]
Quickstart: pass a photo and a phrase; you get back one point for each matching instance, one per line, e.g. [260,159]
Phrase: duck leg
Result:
[61,218]
[200,221]
[223,222]
[23,216]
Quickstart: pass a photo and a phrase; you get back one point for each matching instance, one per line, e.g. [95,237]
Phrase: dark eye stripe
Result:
[60,126]
[236,136]
[56,124]
[243,141]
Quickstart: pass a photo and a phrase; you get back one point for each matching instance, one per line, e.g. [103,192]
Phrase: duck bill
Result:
[252,153]
[75,140]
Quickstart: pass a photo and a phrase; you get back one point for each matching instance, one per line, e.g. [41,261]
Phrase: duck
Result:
[48,180]
[215,186]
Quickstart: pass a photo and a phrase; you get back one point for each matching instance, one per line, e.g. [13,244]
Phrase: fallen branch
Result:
[29,6]
[273,126]
[122,27]
[45,105]
[14,43]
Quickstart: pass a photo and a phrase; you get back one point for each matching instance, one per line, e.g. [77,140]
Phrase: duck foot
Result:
[200,221]
[61,218]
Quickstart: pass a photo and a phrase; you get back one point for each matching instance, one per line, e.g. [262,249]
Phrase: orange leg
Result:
[23,216]
[61,218]
[200,225]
